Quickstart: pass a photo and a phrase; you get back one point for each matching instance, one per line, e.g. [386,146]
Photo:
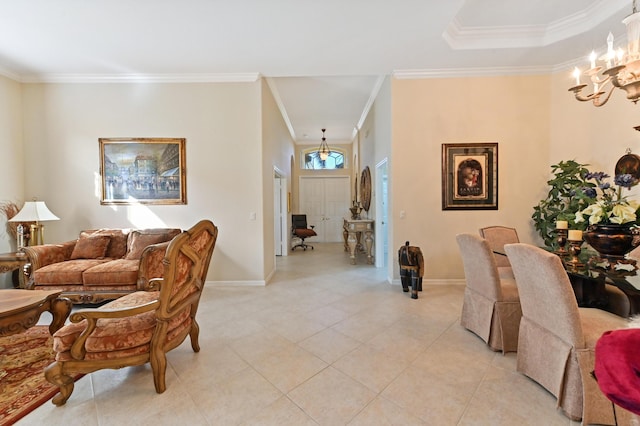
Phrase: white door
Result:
[325,201]
[382,226]
[277,215]
[336,206]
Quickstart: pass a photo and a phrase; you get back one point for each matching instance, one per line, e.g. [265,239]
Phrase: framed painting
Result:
[143,171]
[470,176]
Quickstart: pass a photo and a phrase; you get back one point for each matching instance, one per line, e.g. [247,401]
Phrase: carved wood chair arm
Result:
[151,265]
[92,316]
[155,284]
[95,314]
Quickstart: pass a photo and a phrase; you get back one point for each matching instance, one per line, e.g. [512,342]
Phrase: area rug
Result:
[23,387]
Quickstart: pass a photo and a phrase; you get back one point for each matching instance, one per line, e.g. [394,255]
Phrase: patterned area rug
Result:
[23,387]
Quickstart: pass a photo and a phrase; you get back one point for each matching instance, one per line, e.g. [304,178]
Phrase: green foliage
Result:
[562,201]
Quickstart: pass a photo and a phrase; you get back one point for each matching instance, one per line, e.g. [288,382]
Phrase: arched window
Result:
[312,161]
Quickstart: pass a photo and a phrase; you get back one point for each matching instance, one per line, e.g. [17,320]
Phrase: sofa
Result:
[100,265]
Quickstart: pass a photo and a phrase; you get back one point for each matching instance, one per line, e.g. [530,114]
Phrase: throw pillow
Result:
[118,245]
[140,241]
[93,247]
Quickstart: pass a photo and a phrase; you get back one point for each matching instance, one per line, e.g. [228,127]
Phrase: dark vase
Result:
[612,240]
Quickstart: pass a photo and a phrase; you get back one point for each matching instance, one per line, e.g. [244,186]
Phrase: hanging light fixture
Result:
[323,150]
[621,69]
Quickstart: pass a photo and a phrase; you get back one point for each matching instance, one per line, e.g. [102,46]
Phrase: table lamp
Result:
[35,211]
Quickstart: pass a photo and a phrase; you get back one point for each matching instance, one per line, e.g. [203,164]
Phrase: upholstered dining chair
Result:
[140,327]
[556,346]
[497,237]
[491,306]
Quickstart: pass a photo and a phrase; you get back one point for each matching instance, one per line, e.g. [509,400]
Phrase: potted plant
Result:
[563,201]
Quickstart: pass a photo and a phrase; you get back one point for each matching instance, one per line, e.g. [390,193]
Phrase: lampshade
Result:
[34,211]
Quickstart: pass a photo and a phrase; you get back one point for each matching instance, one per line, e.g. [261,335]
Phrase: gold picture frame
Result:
[470,176]
[143,171]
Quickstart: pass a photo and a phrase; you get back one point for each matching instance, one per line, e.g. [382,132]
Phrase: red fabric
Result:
[617,367]
[305,232]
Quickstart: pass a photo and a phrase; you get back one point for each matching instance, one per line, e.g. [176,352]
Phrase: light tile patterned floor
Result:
[325,343]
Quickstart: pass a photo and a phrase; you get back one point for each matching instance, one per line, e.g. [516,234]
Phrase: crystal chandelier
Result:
[323,149]
[620,68]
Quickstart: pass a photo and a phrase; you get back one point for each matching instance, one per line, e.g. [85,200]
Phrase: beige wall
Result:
[513,111]
[221,123]
[597,136]
[377,148]
[12,170]
[278,149]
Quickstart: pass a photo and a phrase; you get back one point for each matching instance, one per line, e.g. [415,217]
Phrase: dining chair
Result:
[618,301]
[556,344]
[491,306]
[497,237]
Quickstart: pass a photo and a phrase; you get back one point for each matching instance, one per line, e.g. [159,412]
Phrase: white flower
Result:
[610,206]
[622,213]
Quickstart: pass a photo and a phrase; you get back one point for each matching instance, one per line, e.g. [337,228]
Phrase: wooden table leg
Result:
[60,309]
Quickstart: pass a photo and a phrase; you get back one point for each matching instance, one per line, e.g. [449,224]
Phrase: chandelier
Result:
[323,149]
[620,68]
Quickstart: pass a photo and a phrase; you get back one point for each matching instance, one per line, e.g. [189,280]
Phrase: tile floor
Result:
[325,343]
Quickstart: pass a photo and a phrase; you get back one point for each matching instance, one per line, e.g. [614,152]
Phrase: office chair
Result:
[301,230]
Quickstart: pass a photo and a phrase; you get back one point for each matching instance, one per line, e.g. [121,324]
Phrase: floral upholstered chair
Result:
[140,327]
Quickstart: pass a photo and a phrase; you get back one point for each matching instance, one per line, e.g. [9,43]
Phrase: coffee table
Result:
[21,309]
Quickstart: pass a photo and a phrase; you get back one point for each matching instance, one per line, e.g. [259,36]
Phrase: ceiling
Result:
[324,60]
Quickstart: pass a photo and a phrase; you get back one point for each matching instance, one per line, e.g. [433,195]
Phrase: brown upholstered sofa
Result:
[100,265]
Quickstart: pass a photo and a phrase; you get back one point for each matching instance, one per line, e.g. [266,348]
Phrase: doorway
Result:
[382,209]
[325,201]
[280,218]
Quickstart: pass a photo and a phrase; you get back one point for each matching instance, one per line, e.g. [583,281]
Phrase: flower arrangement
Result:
[610,206]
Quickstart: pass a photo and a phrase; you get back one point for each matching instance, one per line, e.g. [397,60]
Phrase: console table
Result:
[10,262]
[354,229]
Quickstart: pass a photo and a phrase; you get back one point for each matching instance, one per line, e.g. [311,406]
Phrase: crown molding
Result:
[6,73]
[469,72]
[519,36]
[140,78]
[368,105]
[281,107]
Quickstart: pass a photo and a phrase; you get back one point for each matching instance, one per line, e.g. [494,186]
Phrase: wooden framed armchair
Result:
[140,327]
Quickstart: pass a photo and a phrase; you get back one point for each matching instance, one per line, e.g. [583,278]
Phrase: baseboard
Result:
[263,283]
[435,281]
[248,283]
